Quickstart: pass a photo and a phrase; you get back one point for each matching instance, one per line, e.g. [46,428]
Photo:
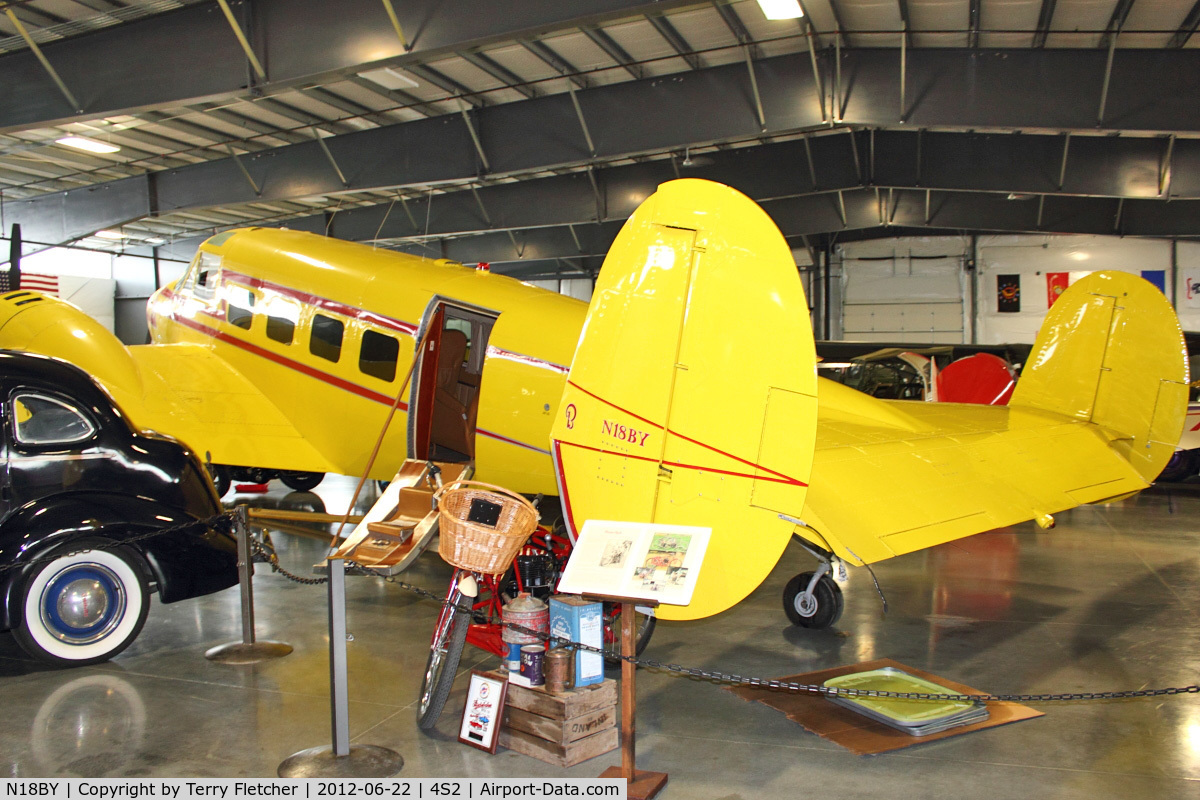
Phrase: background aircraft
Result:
[693,400]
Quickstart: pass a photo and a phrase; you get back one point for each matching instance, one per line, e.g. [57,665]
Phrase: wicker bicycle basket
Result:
[478,546]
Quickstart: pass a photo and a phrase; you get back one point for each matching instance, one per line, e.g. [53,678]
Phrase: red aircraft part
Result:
[983,378]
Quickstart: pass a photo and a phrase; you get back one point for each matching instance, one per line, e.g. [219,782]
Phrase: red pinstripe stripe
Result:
[325,377]
[782,478]
[789,481]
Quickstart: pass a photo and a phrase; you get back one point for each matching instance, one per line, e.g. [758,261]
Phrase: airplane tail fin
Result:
[1110,352]
[692,395]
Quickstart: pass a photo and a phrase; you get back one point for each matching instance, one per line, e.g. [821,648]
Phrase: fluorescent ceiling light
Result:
[781,9]
[113,235]
[91,145]
[389,78]
[155,240]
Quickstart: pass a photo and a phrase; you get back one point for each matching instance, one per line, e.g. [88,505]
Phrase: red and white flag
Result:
[47,284]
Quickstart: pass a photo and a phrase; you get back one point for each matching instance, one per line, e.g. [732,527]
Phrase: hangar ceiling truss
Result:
[525,132]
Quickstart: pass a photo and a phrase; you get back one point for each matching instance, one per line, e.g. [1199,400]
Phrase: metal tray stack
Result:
[914,717]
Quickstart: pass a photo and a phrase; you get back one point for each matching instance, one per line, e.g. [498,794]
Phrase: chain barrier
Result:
[224,523]
[221,523]
[775,684]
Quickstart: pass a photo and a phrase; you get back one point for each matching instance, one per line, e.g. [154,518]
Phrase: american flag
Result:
[47,284]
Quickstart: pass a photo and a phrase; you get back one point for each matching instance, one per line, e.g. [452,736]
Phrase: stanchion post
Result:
[341,759]
[249,650]
[245,573]
[339,700]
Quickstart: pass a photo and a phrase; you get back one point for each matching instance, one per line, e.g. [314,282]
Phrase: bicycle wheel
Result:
[445,650]
[643,629]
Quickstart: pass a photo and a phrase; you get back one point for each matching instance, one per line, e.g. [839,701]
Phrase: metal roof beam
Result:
[1116,22]
[674,38]
[1018,165]
[1045,18]
[546,53]
[399,97]
[1186,28]
[501,73]
[1149,90]
[309,41]
[618,54]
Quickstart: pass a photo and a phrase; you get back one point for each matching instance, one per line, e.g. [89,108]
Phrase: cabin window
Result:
[207,270]
[239,302]
[282,315]
[281,329]
[326,339]
[378,355]
[41,420]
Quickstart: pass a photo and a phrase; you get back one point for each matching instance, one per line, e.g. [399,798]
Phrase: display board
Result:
[640,560]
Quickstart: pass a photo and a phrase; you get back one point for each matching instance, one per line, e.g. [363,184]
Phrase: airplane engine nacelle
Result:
[34,322]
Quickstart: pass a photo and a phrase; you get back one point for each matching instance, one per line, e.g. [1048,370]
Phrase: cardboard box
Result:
[580,621]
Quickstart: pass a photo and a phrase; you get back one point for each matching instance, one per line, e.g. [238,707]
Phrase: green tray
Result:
[909,713]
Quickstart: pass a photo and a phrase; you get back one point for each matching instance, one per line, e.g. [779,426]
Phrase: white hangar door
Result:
[903,298]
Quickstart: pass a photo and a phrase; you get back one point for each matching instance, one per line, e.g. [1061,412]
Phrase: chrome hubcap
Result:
[82,603]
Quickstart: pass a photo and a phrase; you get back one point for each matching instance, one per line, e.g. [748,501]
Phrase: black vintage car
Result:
[79,491]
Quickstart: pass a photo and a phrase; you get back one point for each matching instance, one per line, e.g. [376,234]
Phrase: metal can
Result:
[532,664]
[512,658]
[559,666]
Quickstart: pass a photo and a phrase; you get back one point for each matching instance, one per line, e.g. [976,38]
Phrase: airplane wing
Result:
[186,390]
[194,393]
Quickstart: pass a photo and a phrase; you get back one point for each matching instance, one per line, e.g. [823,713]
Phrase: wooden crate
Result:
[562,729]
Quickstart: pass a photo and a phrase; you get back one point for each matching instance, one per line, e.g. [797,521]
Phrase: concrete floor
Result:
[1106,601]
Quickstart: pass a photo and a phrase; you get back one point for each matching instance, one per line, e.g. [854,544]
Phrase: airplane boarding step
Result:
[401,524]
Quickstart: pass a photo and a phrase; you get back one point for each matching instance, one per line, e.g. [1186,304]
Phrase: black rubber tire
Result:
[442,665]
[1182,466]
[301,481]
[828,597]
[220,478]
[612,620]
[113,581]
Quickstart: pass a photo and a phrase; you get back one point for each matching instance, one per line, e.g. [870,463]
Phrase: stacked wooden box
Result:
[562,729]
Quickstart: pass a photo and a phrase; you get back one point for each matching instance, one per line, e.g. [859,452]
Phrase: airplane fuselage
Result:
[326,330]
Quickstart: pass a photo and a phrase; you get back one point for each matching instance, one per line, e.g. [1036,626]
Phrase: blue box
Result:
[580,621]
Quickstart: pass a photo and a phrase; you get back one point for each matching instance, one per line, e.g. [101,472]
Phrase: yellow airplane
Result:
[281,353]
[693,400]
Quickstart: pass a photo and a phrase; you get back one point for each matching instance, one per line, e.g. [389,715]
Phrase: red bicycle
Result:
[537,567]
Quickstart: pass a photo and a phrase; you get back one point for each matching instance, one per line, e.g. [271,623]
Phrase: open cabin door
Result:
[444,403]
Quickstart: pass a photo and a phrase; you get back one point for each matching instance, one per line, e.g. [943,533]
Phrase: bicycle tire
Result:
[442,667]
[645,629]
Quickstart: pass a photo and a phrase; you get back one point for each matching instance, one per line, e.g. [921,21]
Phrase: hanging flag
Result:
[46,284]
[1008,293]
[1056,284]
[1158,277]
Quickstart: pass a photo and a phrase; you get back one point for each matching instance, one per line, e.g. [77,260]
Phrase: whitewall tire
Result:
[83,608]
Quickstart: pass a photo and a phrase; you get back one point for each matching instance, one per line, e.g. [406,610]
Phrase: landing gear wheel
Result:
[822,610]
[84,607]
[1183,465]
[301,481]
[449,637]
[220,478]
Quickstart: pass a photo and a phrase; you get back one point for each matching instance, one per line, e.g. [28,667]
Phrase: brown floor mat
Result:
[860,734]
